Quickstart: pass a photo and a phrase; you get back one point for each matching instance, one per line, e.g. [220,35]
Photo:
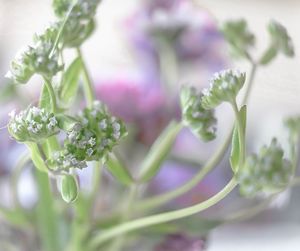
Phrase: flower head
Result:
[80,23]
[280,39]
[64,161]
[238,36]
[200,120]
[266,172]
[32,124]
[37,58]
[224,87]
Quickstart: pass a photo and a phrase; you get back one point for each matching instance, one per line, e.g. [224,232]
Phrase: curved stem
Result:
[88,86]
[158,200]
[52,95]
[161,218]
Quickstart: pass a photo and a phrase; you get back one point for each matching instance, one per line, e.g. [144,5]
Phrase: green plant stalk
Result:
[148,204]
[52,95]
[156,201]
[100,238]
[46,216]
[240,133]
[88,86]
[126,215]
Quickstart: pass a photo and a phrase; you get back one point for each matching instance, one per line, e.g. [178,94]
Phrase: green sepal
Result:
[68,188]
[120,172]
[66,122]
[159,151]
[235,147]
[70,83]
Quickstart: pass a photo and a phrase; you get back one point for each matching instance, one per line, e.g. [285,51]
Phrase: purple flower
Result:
[180,242]
[138,102]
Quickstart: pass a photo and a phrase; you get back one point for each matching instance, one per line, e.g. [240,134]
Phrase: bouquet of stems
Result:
[61,143]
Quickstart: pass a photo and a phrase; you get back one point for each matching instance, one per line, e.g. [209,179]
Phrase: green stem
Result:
[88,86]
[240,132]
[47,220]
[96,183]
[161,218]
[117,244]
[148,204]
[52,95]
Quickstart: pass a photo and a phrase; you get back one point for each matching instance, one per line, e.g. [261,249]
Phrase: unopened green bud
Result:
[68,189]
[224,87]
[239,37]
[265,173]
[293,126]
[201,121]
[33,124]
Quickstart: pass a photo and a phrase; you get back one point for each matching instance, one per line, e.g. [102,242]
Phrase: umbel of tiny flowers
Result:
[92,138]
[36,59]
[266,172]
[201,121]
[239,37]
[80,22]
[280,43]
[32,125]
[224,87]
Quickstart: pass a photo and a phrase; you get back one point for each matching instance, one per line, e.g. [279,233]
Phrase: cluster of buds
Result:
[80,21]
[64,161]
[266,173]
[32,125]
[280,43]
[224,87]
[293,126]
[201,121]
[91,138]
[37,58]
[239,37]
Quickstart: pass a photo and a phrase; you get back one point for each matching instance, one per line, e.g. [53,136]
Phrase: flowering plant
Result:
[61,144]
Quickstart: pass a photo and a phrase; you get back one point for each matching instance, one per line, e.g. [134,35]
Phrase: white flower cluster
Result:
[65,161]
[224,86]
[32,124]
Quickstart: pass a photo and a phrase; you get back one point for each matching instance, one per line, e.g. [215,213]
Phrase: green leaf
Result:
[159,151]
[45,99]
[69,84]
[118,170]
[235,148]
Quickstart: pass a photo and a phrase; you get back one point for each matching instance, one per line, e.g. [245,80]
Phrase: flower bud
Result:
[36,58]
[224,87]
[267,172]
[239,37]
[64,161]
[80,23]
[33,124]
[68,189]
[280,38]
[293,126]
[201,121]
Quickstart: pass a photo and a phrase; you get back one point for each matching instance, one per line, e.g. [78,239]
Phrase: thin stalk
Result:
[117,244]
[52,95]
[161,218]
[47,219]
[88,86]
[240,133]
[96,183]
[156,201]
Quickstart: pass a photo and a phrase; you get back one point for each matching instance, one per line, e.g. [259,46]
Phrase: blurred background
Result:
[123,59]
